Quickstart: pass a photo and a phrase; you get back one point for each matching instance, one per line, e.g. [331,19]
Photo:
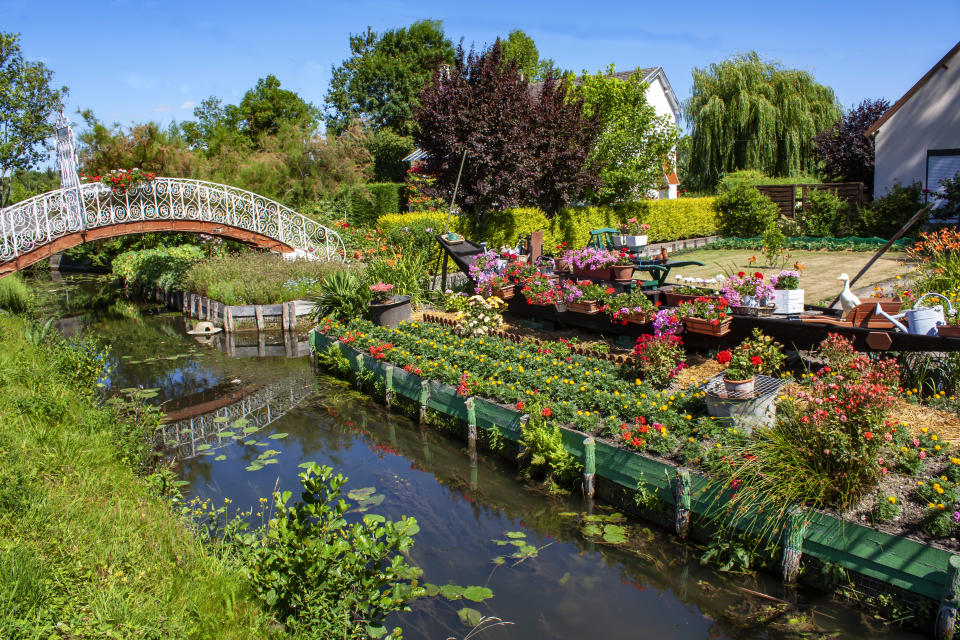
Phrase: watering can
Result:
[921,320]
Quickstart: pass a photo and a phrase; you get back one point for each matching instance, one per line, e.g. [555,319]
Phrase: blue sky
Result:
[137,61]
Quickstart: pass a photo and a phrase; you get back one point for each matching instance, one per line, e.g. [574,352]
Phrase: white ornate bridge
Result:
[51,222]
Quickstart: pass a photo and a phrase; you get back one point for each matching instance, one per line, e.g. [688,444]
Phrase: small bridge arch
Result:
[51,222]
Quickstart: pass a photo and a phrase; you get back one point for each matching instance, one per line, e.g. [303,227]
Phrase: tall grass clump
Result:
[256,278]
[87,548]
[14,294]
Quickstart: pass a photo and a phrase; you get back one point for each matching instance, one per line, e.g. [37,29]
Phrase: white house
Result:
[918,138]
[664,101]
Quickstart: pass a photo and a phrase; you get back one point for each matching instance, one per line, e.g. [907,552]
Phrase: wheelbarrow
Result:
[920,320]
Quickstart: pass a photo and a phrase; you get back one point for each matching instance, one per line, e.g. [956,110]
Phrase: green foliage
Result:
[885,507]
[406,272]
[544,450]
[522,50]
[825,215]
[748,113]
[342,295]
[774,243]
[388,150]
[734,555]
[324,575]
[380,82]
[634,144]
[744,212]
[374,200]
[164,266]
[25,184]
[15,296]
[851,243]
[885,216]
[755,177]
[256,278]
[28,102]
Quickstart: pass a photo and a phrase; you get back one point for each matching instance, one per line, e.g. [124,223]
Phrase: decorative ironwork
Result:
[30,224]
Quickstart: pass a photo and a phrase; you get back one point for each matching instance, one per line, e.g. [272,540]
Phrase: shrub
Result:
[657,359]
[826,215]
[163,266]
[374,200]
[948,196]
[256,278]
[14,294]
[754,177]
[885,216]
[745,212]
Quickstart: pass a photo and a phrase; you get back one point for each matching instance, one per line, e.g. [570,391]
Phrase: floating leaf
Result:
[305,465]
[270,461]
[220,458]
[477,594]
[246,429]
[591,530]
[254,467]
[278,436]
[451,591]
[376,632]
[499,560]
[203,447]
[269,453]
[614,534]
[221,419]
[565,578]
[373,518]
[240,423]
[361,494]
[430,589]
[516,534]
[469,617]
[249,442]
[227,434]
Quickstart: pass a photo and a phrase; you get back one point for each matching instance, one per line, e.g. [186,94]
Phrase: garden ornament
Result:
[848,301]
[204,329]
[920,320]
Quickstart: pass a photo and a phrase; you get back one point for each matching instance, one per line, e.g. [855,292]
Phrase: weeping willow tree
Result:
[747,113]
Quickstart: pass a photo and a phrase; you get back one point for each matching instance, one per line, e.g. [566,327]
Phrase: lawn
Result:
[819,279]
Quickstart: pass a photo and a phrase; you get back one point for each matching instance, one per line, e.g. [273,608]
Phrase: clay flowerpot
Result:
[704,327]
[622,273]
[739,388]
[593,274]
[392,312]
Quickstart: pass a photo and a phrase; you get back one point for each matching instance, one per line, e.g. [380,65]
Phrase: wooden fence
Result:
[786,196]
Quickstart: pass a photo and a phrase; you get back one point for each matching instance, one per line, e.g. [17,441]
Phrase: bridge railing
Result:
[33,223]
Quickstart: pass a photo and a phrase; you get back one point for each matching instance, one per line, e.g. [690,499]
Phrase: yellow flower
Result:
[891,500]
[690,439]
[922,429]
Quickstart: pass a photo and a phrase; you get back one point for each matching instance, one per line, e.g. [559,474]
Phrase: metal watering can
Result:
[921,320]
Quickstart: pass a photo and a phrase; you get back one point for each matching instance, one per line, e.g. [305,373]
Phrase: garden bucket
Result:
[920,320]
[391,314]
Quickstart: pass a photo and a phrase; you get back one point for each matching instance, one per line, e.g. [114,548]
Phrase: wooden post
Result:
[258,314]
[589,466]
[681,495]
[284,317]
[361,365]
[261,344]
[210,316]
[228,319]
[424,399]
[292,315]
[388,387]
[443,271]
[796,527]
[472,440]
[947,615]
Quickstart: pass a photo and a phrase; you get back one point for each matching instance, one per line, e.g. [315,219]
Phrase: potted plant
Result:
[634,307]
[585,296]
[387,309]
[561,264]
[759,354]
[787,296]
[748,292]
[630,234]
[688,289]
[501,286]
[539,290]
[707,316]
[622,269]
[592,263]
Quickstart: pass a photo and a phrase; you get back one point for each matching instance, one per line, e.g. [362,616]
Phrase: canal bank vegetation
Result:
[14,294]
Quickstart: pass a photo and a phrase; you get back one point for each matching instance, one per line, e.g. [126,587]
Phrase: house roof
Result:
[418,154]
[913,90]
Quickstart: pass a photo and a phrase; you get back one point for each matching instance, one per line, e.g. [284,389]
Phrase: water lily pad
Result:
[246,429]
[278,436]
[220,419]
[220,458]
[591,530]
[240,423]
[373,518]
[516,534]
[430,589]
[477,594]
[249,442]
[227,434]
[255,467]
[203,447]
[451,591]
[614,534]
[499,560]
[469,617]
[361,494]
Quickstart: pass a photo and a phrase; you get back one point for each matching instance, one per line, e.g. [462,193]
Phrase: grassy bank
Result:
[87,548]
[14,294]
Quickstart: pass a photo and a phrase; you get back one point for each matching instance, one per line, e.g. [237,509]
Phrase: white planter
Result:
[788,301]
[629,241]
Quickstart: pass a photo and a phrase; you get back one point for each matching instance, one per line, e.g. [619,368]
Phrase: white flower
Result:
[678,277]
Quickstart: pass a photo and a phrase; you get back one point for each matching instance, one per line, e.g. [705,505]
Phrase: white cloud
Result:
[162,108]
[189,104]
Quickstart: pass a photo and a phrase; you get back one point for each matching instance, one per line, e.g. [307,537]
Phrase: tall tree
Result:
[847,154]
[148,146]
[634,145]
[520,48]
[748,113]
[27,102]
[379,84]
[524,146]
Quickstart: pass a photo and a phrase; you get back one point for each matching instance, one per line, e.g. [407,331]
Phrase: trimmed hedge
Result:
[381,198]
[668,220]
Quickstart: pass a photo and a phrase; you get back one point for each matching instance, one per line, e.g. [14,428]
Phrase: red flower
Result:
[756,361]
[519,406]
[758,275]
[724,357]
[610,291]
[741,274]
[546,412]
[868,435]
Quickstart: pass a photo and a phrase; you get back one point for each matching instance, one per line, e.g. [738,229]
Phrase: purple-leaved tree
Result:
[846,153]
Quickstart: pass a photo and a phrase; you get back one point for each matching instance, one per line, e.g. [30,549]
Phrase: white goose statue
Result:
[848,301]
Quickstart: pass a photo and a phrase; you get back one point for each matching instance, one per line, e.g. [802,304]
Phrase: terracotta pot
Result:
[505,292]
[740,388]
[676,299]
[701,326]
[588,306]
[622,273]
[638,318]
[392,313]
[561,266]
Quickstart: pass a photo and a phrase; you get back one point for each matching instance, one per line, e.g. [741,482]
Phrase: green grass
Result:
[87,550]
[14,294]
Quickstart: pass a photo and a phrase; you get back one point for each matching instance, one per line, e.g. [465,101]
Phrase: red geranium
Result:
[724,357]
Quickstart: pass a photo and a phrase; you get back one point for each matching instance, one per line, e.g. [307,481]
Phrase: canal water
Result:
[560,585]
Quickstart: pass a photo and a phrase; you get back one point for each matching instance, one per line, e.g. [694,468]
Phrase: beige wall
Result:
[930,119]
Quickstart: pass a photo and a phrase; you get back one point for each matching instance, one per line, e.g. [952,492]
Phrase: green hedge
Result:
[381,198]
[668,220]
[810,243]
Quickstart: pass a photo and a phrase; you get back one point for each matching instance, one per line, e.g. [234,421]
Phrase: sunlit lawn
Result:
[819,278]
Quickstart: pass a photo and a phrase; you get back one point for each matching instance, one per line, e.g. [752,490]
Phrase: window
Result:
[941,164]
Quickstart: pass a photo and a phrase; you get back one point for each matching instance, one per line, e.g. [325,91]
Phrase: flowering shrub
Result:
[744,290]
[657,359]
[591,258]
[481,316]
[121,179]
[381,292]
[712,309]
[620,307]
[786,280]
[418,185]
[757,354]
[937,255]
[633,227]
[640,435]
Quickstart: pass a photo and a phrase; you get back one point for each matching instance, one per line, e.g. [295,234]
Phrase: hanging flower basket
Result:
[705,327]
